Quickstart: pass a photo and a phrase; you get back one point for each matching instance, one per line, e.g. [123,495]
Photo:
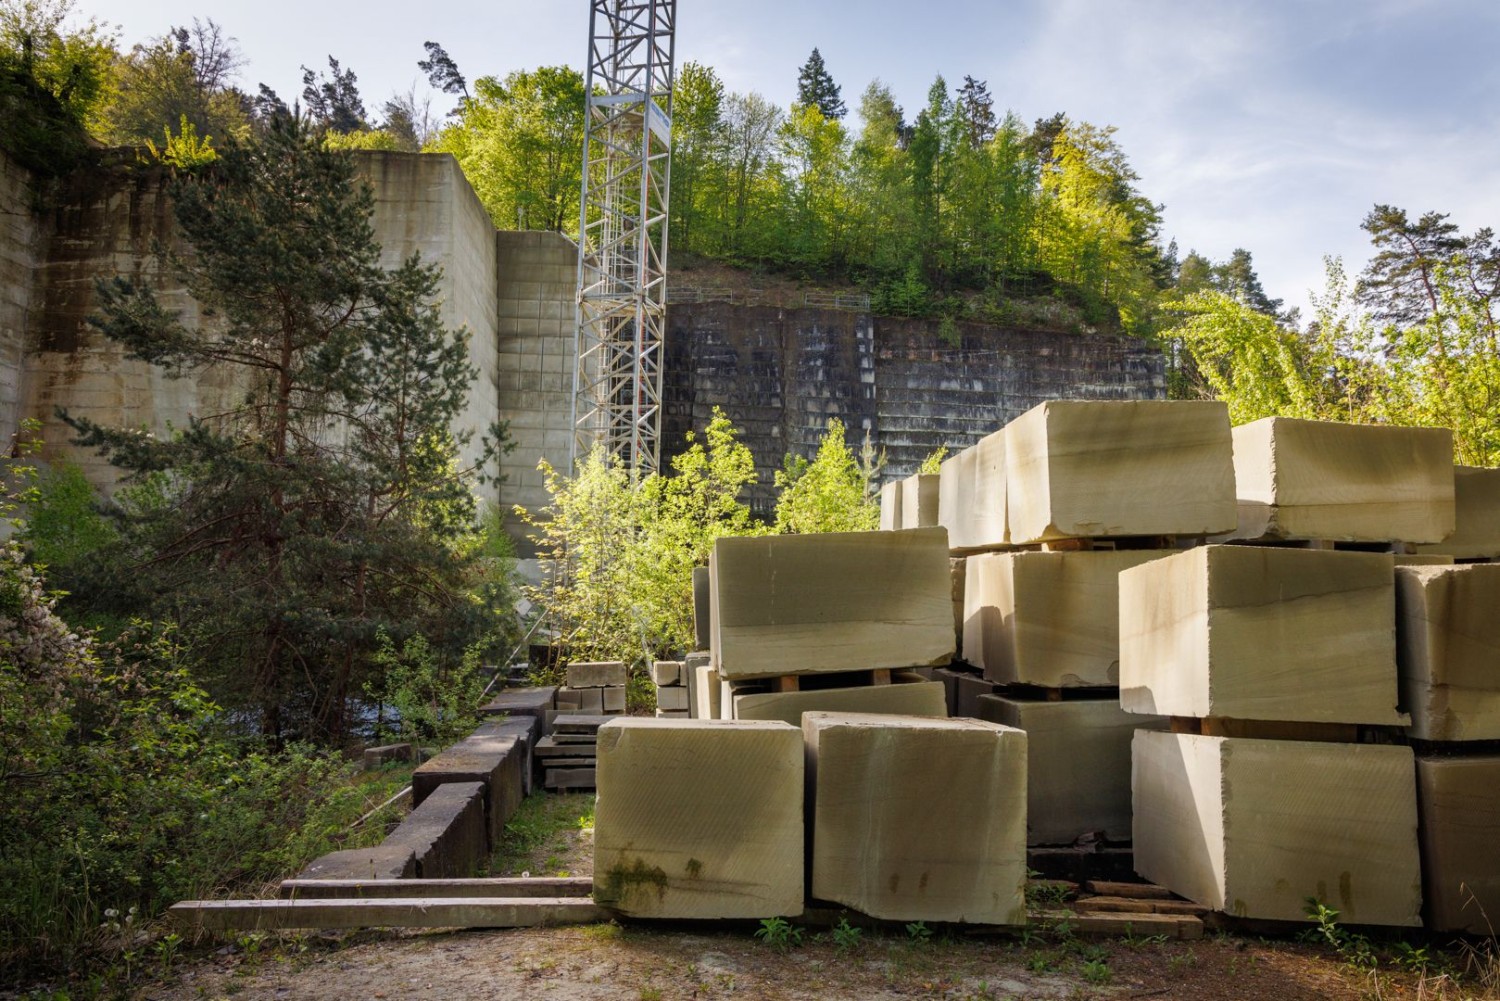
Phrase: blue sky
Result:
[1269,124]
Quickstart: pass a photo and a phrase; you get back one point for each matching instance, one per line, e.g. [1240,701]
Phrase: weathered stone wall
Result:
[781,373]
[21,243]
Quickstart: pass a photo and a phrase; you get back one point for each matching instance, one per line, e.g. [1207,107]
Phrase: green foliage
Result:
[52,80]
[183,76]
[377,139]
[918,932]
[184,151]
[433,702]
[779,933]
[846,936]
[933,464]
[1096,972]
[832,493]
[64,525]
[1355,949]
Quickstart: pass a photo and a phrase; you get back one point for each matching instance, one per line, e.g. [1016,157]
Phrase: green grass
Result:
[536,834]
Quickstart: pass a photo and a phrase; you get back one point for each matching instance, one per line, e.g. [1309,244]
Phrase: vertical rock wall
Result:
[21,243]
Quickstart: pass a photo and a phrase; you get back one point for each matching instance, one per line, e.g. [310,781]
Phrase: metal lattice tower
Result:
[622,245]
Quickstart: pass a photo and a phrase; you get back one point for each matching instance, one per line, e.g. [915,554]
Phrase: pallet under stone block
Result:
[1459,803]
[1092,469]
[918,819]
[1254,827]
[699,819]
[843,601]
[1047,619]
[1301,479]
[918,698]
[1258,633]
[1077,764]
[1448,650]
[1476,506]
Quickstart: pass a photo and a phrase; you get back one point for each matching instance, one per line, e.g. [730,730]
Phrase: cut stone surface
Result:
[382,861]
[701,632]
[950,679]
[521,702]
[1448,650]
[972,507]
[666,672]
[890,506]
[614,699]
[920,698]
[1077,764]
[803,604]
[446,833]
[970,688]
[957,572]
[1254,827]
[1300,479]
[1476,504]
[699,819]
[1258,633]
[919,500]
[672,698]
[918,819]
[1082,469]
[596,674]
[1459,801]
[1048,619]
[527,729]
[496,762]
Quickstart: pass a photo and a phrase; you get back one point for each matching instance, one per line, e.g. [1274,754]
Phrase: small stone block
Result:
[385,754]
[699,819]
[1448,650]
[496,762]
[596,674]
[889,836]
[382,861]
[701,614]
[521,702]
[972,496]
[890,506]
[1476,502]
[614,700]
[666,672]
[675,698]
[706,697]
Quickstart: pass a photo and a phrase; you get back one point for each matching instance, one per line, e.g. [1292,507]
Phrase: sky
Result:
[1273,125]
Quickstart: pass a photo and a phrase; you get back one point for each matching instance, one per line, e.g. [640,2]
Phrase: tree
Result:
[184,74]
[330,503]
[333,101]
[698,137]
[52,81]
[975,108]
[815,87]
[832,493]
[442,72]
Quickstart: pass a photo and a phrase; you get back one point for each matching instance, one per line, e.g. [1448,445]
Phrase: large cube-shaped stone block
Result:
[1459,801]
[699,819]
[890,506]
[919,500]
[919,698]
[1255,827]
[849,601]
[1081,469]
[1049,619]
[1251,632]
[1476,506]
[918,819]
[972,506]
[1448,650]
[1077,764]
[1300,479]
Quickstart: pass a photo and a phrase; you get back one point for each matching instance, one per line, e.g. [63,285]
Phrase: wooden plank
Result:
[385,912]
[1174,926]
[1137,891]
[1128,905]
[339,889]
[785,683]
[881,676]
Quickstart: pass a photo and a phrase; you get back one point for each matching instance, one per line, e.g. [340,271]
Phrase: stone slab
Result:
[972,496]
[496,762]
[921,698]
[446,832]
[380,861]
[614,699]
[849,601]
[950,679]
[919,500]
[385,754]
[674,698]
[521,702]
[970,687]
[1259,633]
[890,506]
[891,839]
[1047,619]
[1459,803]
[1254,827]
[596,674]
[527,729]
[699,819]
[1300,479]
[1476,508]
[398,912]
[1448,650]
[666,672]
[1088,469]
[1077,764]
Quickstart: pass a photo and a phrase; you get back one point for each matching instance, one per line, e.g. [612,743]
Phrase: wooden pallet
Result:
[1113,543]
[1332,733]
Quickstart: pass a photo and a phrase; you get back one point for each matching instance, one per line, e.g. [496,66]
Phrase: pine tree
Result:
[281,537]
[815,86]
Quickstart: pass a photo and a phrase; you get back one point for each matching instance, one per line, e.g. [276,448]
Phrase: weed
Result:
[1133,941]
[533,835]
[166,951]
[1353,948]
[1096,971]
[604,931]
[1181,962]
[846,936]
[779,934]
[1042,962]
[1413,958]
[918,932]
[649,994]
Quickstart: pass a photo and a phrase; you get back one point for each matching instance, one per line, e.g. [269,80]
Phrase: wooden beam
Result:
[385,912]
[344,889]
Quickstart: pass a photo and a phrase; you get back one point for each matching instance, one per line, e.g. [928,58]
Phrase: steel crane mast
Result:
[622,245]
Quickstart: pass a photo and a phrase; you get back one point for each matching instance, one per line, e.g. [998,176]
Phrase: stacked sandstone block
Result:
[732,818]
[1047,512]
[672,696]
[596,687]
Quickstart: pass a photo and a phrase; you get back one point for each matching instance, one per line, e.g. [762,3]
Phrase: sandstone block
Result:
[1250,632]
[614,699]
[1048,619]
[701,632]
[521,702]
[375,757]
[957,572]
[919,500]
[1448,650]
[804,604]
[890,506]
[918,819]
[1299,479]
[970,688]
[972,506]
[1459,800]
[446,833]
[699,819]
[1081,469]
[1254,827]
[666,672]
[596,674]
[1077,764]
[919,698]
[672,698]
[1476,507]
[495,762]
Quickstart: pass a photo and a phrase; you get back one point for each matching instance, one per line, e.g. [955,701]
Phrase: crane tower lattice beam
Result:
[622,245]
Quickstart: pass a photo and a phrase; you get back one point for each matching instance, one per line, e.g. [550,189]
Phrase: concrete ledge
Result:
[495,762]
[446,833]
[383,861]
